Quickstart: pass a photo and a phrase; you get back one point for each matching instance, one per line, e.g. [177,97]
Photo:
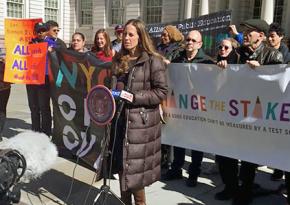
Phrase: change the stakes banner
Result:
[237,112]
[72,76]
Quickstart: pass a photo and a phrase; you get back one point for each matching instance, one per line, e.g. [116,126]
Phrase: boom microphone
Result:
[36,148]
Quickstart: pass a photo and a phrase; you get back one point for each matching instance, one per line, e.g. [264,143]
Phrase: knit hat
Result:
[174,34]
[40,27]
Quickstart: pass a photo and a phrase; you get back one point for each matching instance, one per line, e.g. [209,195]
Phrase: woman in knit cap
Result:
[171,42]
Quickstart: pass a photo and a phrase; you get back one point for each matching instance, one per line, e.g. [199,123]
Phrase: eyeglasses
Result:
[226,47]
[40,32]
[191,39]
[55,30]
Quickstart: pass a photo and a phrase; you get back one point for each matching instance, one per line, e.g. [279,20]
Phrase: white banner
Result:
[236,112]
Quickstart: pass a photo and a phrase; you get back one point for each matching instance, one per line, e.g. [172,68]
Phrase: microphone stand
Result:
[105,191]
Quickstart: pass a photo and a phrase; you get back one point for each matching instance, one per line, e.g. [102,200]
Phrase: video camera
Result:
[12,168]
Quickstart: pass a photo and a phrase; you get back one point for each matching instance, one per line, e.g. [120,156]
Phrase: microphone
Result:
[121,93]
[36,148]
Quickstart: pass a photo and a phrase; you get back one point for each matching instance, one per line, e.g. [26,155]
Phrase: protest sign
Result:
[238,112]
[25,63]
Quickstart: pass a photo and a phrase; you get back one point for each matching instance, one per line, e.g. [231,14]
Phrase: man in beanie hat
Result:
[171,42]
[40,30]
[117,43]
[254,53]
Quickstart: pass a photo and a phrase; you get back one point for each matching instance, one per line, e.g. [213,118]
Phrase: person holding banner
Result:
[4,93]
[275,36]
[193,53]
[52,34]
[139,70]
[254,53]
[171,43]
[102,46]
[228,167]
[78,42]
[39,95]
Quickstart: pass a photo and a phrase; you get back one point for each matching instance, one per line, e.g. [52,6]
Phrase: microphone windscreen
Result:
[39,152]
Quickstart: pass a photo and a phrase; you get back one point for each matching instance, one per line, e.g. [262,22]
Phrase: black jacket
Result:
[169,51]
[232,58]
[285,52]
[263,54]
[200,57]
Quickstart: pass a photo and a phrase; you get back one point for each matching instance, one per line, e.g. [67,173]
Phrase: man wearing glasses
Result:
[254,53]
[52,33]
[193,53]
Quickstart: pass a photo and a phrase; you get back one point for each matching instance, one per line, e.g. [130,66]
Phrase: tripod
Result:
[105,193]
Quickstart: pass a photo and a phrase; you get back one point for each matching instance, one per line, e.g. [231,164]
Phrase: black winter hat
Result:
[256,24]
[40,27]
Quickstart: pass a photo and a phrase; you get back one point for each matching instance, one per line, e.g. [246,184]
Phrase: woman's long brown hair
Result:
[145,44]
[108,45]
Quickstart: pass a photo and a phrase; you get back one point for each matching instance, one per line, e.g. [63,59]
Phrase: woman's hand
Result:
[222,64]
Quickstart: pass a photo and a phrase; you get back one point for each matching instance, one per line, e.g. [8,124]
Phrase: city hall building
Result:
[87,16]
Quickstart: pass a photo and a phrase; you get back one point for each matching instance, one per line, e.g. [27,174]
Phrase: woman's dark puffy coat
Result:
[142,135]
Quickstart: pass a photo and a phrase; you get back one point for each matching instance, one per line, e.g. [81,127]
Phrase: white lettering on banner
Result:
[72,111]
[236,112]
[69,143]
[70,138]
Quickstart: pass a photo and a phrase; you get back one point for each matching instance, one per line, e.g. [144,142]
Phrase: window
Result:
[278,12]
[117,12]
[15,8]
[51,10]
[86,12]
[153,11]
[196,8]
[257,9]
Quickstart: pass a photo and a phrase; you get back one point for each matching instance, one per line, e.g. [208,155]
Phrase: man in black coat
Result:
[192,53]
[254,53]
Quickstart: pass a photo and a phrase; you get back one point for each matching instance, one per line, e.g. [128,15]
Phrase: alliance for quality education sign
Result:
[213,27]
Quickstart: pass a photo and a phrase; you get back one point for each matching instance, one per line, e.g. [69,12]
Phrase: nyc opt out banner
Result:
[236,112]
[73,74]
[25,63]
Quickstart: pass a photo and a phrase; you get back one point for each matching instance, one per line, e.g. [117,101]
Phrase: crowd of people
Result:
[140,67]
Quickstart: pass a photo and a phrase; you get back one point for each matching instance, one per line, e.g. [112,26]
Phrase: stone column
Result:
[267,10]
[234,6]
[220,5]
[203,9]
[187,9]
[287,19]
